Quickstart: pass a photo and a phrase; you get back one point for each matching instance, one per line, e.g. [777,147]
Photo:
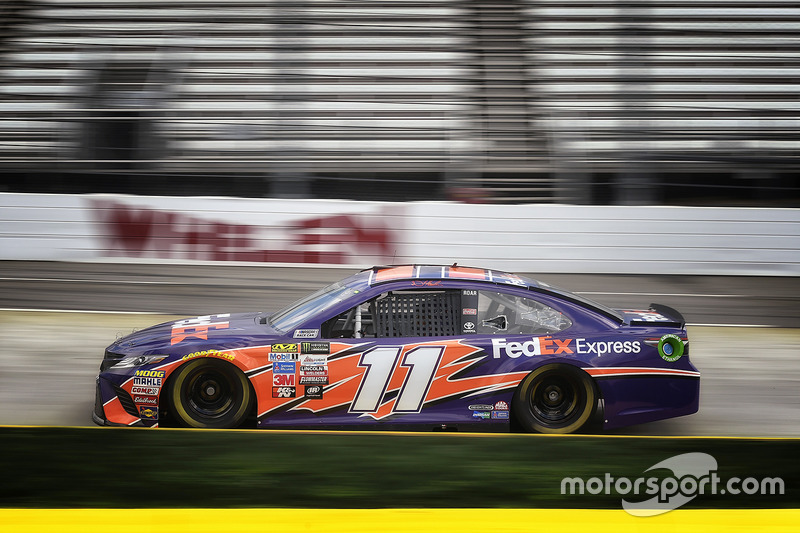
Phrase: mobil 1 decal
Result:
[469,311]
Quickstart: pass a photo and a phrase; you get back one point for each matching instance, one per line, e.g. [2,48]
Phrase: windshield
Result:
[312,304]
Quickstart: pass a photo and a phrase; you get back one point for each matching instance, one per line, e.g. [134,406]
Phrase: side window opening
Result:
[400,314]
[355,323]
[417,314]
[438,313]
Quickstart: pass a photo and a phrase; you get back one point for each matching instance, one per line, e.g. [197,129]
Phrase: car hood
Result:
[221,331]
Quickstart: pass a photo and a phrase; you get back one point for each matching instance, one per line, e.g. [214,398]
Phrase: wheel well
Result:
[572,368]
[567,367]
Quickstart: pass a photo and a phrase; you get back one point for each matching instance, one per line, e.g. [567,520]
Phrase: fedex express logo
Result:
[551,346]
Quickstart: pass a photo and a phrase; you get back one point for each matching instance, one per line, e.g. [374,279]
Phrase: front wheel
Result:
[209,393]
[554,399]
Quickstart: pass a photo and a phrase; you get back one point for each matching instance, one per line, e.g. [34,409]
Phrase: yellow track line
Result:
[140,520]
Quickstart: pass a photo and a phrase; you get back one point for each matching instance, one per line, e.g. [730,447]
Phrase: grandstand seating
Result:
[522,100]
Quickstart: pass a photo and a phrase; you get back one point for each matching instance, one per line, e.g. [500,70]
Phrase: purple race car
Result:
[407,347]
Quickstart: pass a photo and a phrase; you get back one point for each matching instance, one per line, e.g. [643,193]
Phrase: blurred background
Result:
[634,102]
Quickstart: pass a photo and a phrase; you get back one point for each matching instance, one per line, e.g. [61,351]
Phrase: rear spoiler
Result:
[672,314]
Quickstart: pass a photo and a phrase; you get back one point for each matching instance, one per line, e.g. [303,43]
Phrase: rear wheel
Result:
[554,399]
[209,393]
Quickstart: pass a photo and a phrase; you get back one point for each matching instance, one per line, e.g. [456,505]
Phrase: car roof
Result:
[385,274]
[378,275]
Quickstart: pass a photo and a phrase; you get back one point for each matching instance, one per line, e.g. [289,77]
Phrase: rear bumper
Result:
[647,398]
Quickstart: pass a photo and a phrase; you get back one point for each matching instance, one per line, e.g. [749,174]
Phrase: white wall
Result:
[522,238]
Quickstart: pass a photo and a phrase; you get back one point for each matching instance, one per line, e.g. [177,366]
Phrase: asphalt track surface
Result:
[56,319]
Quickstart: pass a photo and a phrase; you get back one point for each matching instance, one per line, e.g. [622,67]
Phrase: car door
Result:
[386,355]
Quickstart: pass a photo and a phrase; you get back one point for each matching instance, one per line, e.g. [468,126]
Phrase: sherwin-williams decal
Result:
[285,367]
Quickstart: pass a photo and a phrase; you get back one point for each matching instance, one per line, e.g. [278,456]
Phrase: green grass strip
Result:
[118,467]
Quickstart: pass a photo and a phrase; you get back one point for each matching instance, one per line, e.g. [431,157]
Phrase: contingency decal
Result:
[380,381]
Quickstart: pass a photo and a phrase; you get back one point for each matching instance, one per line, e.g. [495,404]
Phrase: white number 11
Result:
[381,362]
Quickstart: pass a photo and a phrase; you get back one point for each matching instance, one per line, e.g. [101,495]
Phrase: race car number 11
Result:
[381,363]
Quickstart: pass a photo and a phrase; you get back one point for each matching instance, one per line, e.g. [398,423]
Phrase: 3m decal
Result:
[284,392]
[281,380]
[197,327]
[306,334]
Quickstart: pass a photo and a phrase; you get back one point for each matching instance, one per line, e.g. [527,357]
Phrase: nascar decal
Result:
[379,381]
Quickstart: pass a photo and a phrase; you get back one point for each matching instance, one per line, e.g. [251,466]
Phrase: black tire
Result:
[209,393]
[554,399]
